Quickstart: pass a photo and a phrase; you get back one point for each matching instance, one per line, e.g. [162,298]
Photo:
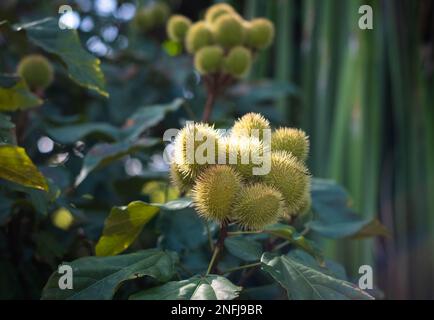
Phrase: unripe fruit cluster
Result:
[223,42]
[231,191]
[151,16]
[36,71]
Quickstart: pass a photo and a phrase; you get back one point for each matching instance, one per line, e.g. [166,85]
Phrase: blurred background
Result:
[365,97]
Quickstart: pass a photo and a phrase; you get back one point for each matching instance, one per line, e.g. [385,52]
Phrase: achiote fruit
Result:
[177,27]
[228,31]
[151,16]
[218,10]
[259,33]
[198,36]
[238,62]
[208,59]
[250,124]
[36,71]
[216,191]
[292,140]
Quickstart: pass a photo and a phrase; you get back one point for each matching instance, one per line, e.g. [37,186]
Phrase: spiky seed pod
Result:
[217,10]
[177,27]
[198,36]
[228,31]
[179,179]
[246,124]
[258,205]
[238,61]
[259,33]
[242,153]
[159,11]
[143,20]
[292,140]
[208,59]
[190,143]
[290,177]
[215,192]
[36,71]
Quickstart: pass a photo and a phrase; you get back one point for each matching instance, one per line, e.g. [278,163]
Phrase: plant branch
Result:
[218,248]
[251,265]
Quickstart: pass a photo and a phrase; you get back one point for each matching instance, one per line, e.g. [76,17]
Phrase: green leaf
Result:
[303,282]
[122,227]
[16,166]
[83,68]
[73,133]
[15,95]
[102,154]
[289,233]
[98,278]
[333,216]
[244,248]
[210,287]
[147,117]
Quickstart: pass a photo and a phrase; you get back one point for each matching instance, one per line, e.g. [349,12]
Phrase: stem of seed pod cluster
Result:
[218,248]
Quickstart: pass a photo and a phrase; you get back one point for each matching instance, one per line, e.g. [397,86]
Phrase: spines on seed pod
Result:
[177,27]
[290,176]
[198,36]
[208,59]
[179,179]
[259,33]
[228,31]
[257,206]
[215,192]
[292,140]
[249,124]
[238,61]
[36,71]
[218,10]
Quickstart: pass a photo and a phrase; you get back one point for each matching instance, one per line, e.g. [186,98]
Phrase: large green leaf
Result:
[16,166]
[73,133]
[82,67]
[302,282]
[210,287]
[147,117]
[333,216]
[15,95]
[244,248]
[102,154]
[124,224]
[99,277]
[289,233]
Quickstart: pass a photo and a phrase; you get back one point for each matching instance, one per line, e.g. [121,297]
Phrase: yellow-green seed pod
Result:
[238,62]
[208,59]
[250,124]
[179,179]
[215,192]
[217,10]
[36,71]
[258,205]
[198,36]
[143,20]
[193,148]
[290,176]
[292,140]
[228,31]
[243,154]
[159,11]
[259,33]
[177,27]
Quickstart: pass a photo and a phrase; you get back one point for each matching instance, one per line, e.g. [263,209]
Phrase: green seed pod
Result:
[143,20]
[238,61]
[217,10]
[215,192]
[208,59]
[159,11]
[36,71]
[292,140]
[199,35]
[190,144]
[290,177]
[244,127]
[228,31]
[178,178]
[240,153]
[258,205]
[259,33]
[177,27]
